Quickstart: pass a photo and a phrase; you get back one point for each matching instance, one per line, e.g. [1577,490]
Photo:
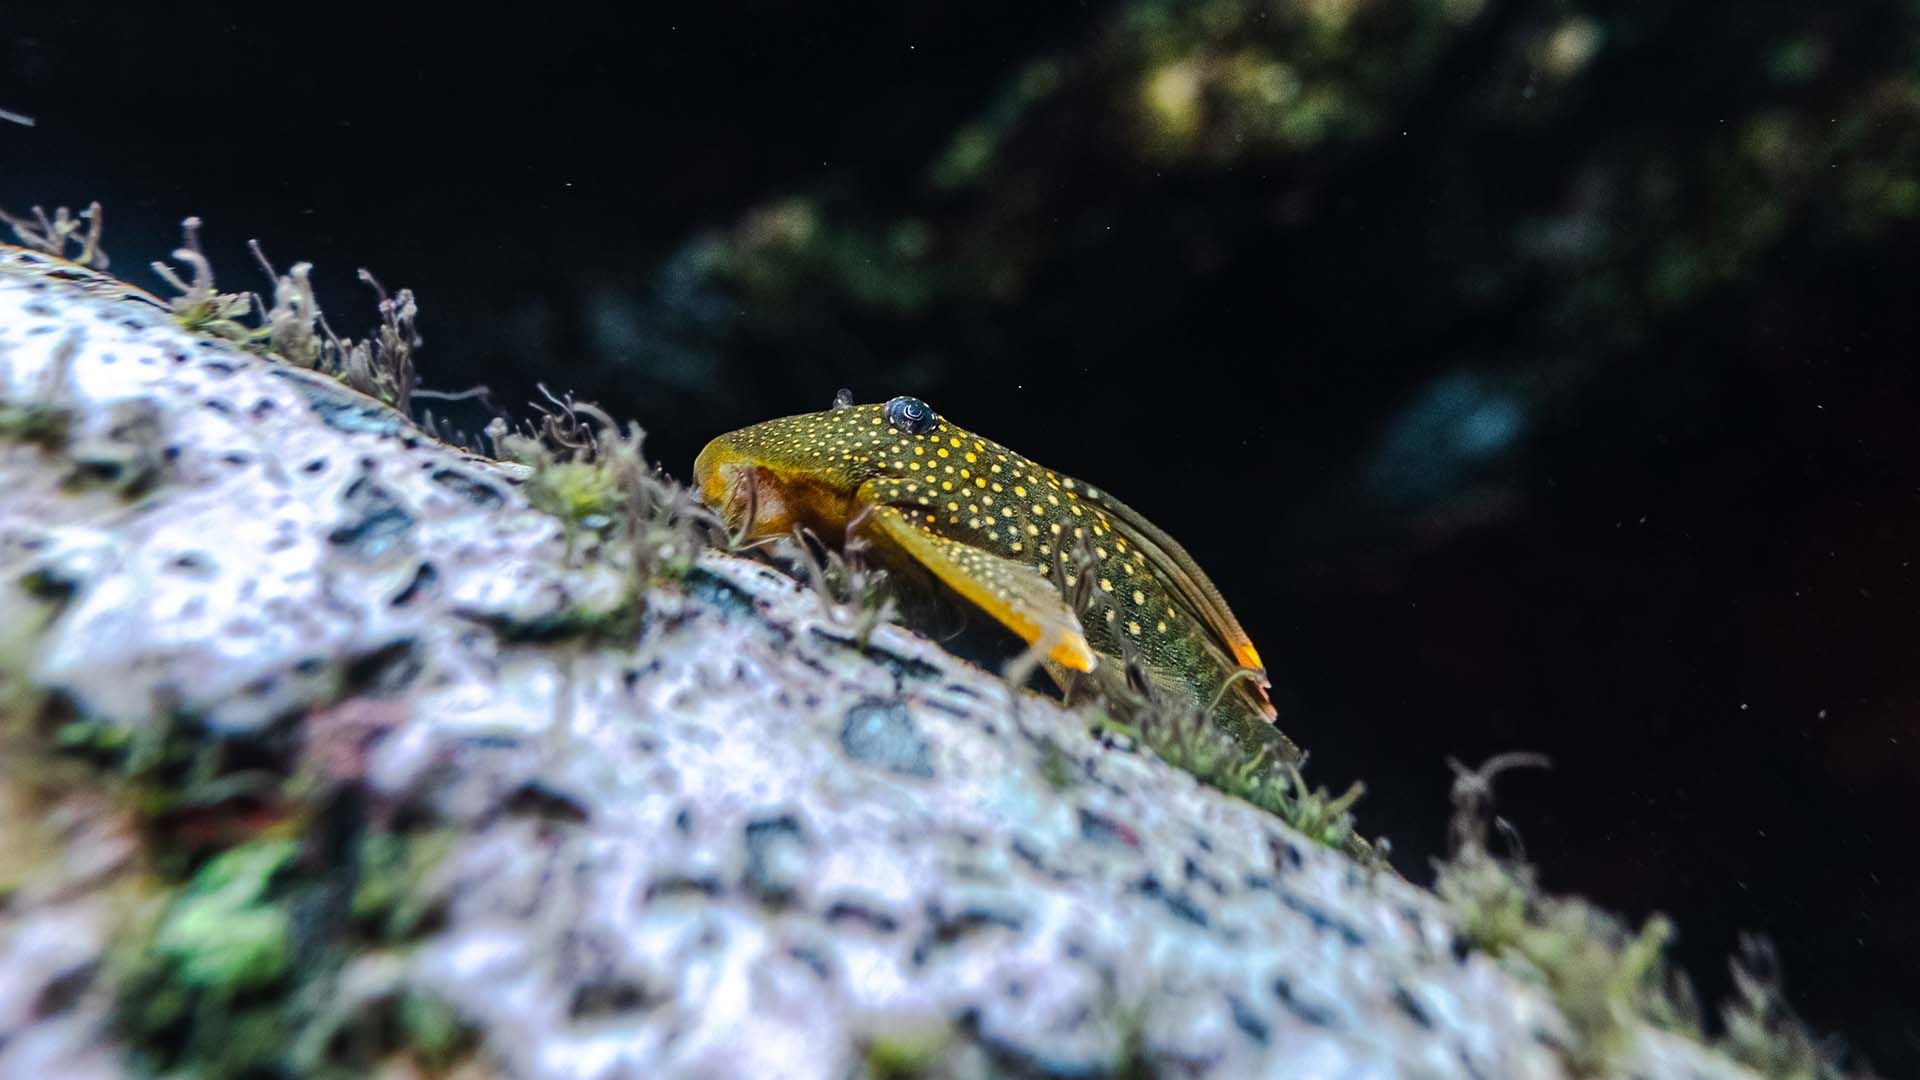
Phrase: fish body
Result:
[1008,535]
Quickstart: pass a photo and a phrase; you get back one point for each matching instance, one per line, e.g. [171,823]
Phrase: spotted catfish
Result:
[1007,535]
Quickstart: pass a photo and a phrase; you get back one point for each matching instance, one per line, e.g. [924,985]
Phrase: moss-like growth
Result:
[182,780]
[612,504]
[1605,978]
[236,968]
[582,494]
[55,235]
[44,426]
[222,935]
[1762,1031]
[380,365]
[392,896]
[43,416]
[200,307]
[908,1052]
[1056,768]
[206,993]
[242,973]
[1193,744]
[852,591]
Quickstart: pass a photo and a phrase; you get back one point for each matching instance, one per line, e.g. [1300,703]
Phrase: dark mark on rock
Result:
[815,960]
[1324,922]
[193,563]
[776,858]
[538,800]
[944,928]
[342,409]
[1026,854]
[476,491]
[1178,903]
[1194,873]
[1285,855]
[1247,1020]
[951,710]
[423,580]
[905,667]
[1314,1014]
[380,522]
[386,670]
[678,885]
[718,592]
[1403,998]
[854,911]
[1101,829]
[610,997]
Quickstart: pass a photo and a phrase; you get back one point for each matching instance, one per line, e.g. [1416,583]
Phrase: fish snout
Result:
[723,480]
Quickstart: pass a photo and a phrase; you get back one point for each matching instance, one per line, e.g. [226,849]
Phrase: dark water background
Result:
[1529,374]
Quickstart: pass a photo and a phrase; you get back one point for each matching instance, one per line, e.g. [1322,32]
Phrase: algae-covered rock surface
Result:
[327,753]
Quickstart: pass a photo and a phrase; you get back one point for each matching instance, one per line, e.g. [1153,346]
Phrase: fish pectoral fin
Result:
[1019,598]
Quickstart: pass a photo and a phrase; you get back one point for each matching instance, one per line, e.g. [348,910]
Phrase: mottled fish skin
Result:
[1001,531]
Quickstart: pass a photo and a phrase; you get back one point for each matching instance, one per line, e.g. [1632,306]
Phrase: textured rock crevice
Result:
[723,840]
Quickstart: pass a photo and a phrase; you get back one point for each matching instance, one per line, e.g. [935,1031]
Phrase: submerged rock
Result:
[256,622]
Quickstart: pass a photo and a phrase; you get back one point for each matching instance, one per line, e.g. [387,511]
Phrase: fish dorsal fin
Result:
[1191,587]
[1018,597]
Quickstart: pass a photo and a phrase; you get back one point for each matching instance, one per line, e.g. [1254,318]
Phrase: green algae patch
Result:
[392,896]
[244,972]
[270,886]
[1188,741]
[614,507]
[912,1051]
[1606,979]
[208,994]
[224,933]
[583,495]
[44,426]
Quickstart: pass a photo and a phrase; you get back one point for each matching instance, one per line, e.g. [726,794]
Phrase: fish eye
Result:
[910,415]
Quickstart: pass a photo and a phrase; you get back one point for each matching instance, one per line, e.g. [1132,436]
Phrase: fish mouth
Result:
[728,484]
[756,500]
[715,472]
